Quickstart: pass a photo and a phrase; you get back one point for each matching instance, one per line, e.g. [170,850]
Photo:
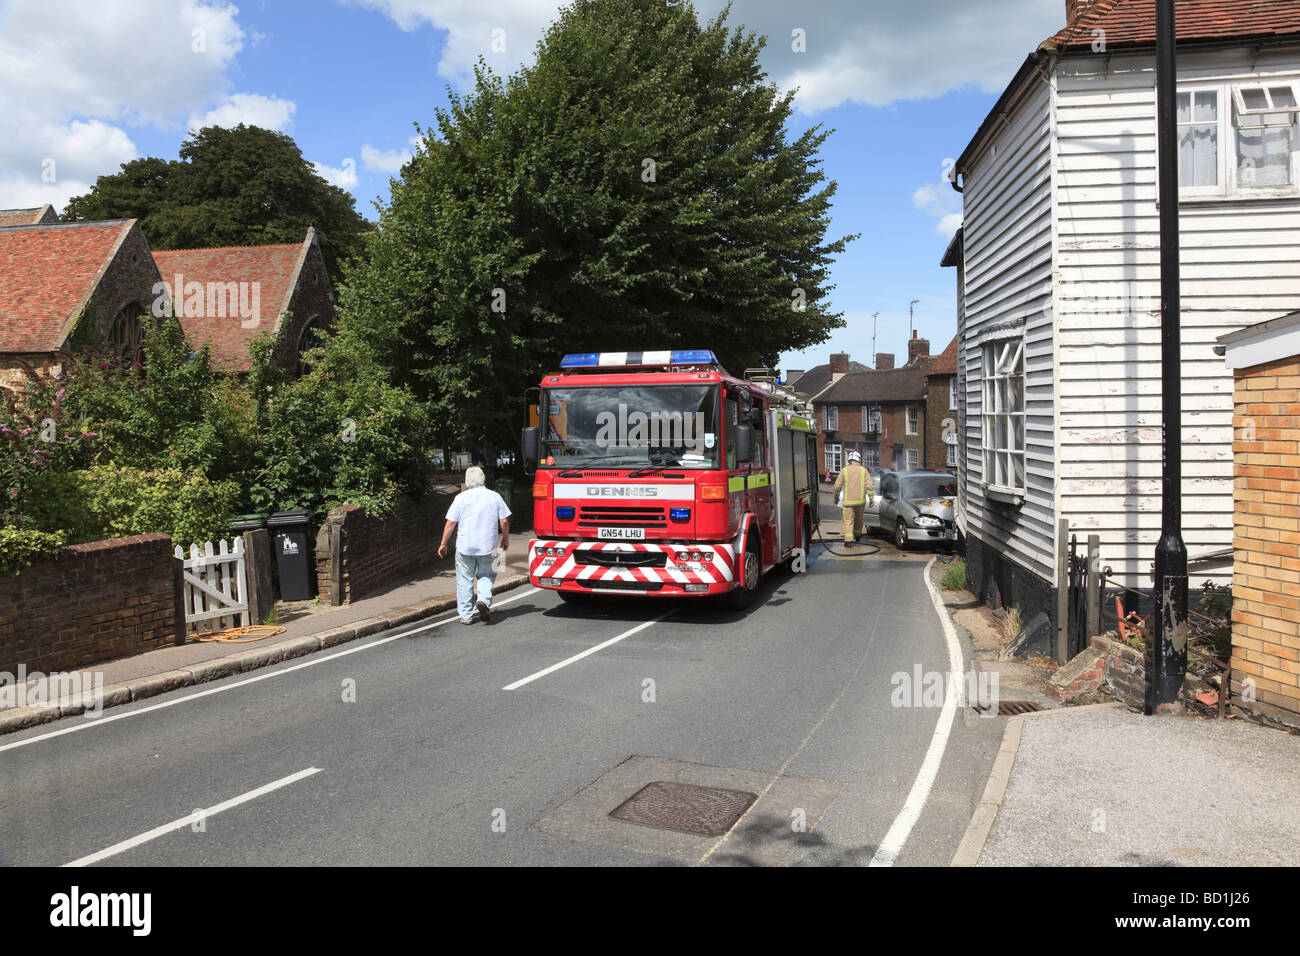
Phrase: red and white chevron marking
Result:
[721,569]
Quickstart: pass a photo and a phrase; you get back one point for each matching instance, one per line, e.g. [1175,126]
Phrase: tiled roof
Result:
[265,276]
[904,384]
[1132,23]
[47,274]
[818,377]
[36,216]
[945,363]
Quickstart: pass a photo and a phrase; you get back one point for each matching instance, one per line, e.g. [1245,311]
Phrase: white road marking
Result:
[898,833]
[185,821]
[587,653]
[312,661]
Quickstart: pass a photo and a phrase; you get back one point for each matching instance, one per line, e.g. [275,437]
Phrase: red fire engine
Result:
[658,473]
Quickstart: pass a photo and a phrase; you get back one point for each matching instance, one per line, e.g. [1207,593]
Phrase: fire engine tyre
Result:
[900,535]
[742,599]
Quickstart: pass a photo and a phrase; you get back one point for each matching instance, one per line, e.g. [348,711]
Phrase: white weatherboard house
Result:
[1059,285]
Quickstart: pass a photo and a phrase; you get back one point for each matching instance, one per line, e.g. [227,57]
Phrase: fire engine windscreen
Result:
[631,426]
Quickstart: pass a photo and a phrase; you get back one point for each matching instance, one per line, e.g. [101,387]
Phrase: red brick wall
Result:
[364,554]
[93,603]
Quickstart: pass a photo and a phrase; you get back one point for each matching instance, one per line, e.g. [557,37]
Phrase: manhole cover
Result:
[1010,708]
[708,811]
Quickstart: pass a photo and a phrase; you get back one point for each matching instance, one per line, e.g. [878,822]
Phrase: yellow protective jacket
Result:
[856,482]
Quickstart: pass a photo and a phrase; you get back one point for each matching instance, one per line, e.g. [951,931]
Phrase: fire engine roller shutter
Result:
[786,484]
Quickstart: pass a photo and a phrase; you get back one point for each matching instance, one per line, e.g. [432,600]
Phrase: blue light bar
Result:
[680,514]
[564,512]
[694,357]
[638,359]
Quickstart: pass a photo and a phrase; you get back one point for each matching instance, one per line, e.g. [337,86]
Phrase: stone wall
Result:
[92,603]
[357,555]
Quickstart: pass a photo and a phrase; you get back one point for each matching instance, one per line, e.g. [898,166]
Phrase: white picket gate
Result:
[216,585]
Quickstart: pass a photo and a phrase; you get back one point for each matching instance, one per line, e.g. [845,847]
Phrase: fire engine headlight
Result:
[679,514]
[695,555]
[707,555]
[683,556]
[927,521]
[564,513]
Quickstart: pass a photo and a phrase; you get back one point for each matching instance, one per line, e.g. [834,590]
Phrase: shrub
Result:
[341,433]
[111,501]
[20,546]
[954,579]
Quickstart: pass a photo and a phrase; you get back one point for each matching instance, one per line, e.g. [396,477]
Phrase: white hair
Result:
[474,477]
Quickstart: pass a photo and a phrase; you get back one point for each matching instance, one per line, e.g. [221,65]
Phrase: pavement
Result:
[1095,785]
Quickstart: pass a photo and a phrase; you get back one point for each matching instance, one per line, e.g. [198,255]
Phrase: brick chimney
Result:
[1073,10]
[884,361]
[839,365]
[917,348]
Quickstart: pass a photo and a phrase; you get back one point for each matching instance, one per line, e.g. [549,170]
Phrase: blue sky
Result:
[903,85]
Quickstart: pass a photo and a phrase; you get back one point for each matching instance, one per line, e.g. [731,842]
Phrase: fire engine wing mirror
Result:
[744,443]
[530,441]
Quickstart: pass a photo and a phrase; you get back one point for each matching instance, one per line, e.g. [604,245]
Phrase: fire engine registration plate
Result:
[621,534]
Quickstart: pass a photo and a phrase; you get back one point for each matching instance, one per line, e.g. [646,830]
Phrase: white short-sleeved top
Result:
[476,512]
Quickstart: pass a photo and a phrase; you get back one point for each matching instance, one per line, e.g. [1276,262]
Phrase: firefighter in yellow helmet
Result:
[856,484]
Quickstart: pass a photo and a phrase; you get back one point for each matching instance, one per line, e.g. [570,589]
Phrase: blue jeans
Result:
[474,572]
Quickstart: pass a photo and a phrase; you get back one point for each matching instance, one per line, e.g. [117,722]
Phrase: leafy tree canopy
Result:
[636,188]
[230,187]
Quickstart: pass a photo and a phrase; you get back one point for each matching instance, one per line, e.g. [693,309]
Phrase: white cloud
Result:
[881,51]
[949,225]
[76,75]
[864,51]
[251,109]
[503,32]
[345,176]
[384,161]
[942,201]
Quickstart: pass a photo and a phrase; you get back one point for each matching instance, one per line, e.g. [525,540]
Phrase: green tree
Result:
[230,187]
[341,433]
[635,188]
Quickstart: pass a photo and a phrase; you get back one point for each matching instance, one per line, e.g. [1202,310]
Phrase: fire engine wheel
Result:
[742,598]
[900,535]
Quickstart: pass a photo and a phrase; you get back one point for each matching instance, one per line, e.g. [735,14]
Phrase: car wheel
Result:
[900,535]
[742,599]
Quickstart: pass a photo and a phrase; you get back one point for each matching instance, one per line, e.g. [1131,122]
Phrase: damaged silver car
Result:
[915,507]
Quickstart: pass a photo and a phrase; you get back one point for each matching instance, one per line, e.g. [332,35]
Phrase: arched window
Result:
[310,338]
[126,337]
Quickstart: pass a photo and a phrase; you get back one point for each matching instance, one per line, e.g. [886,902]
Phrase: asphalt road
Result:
[408,749]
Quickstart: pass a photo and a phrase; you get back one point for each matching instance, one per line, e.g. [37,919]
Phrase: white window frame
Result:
[1230,106]
[952,393]
[871,455]
[951,461]
[913,419]
[830,418]
[834,457]
[1002,360]
[913,459]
